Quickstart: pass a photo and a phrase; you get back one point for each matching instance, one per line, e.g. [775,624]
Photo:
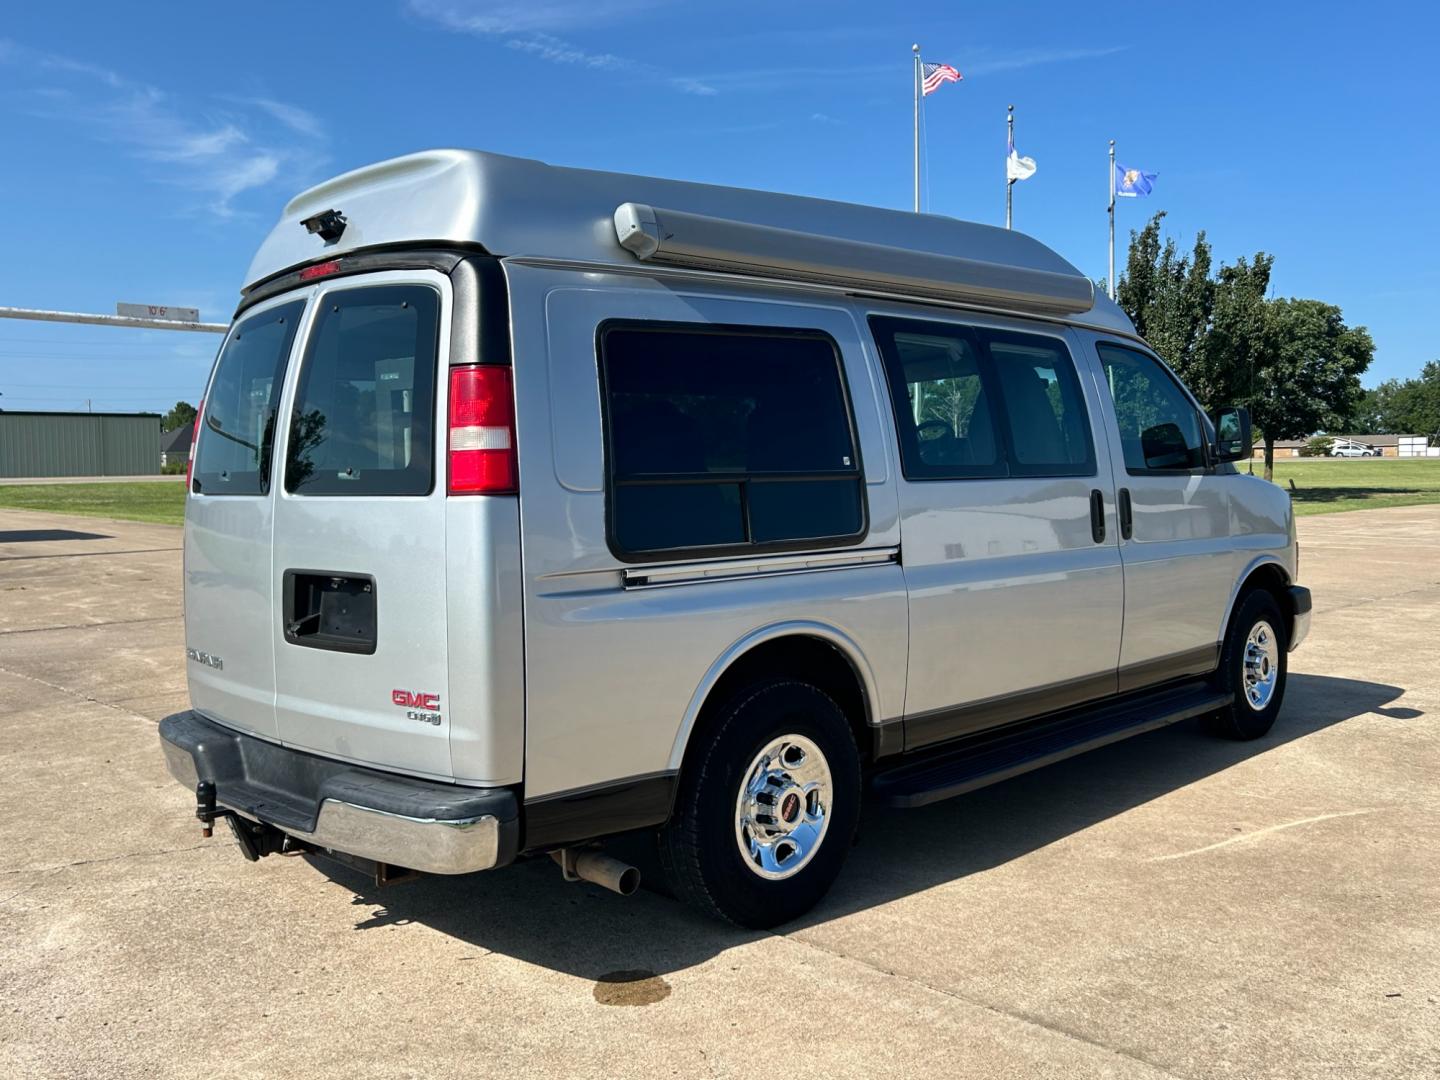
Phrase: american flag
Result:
[932,75]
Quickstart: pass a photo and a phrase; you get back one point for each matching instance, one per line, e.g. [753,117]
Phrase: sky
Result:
[148,149]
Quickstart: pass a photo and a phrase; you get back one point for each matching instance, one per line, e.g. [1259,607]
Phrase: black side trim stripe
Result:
[952,723]
[570,817]
[1164,669]
[941,725]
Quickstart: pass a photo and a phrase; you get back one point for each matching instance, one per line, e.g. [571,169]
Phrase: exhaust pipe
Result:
[580,864]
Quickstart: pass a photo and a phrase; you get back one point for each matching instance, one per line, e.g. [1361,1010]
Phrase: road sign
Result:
[159,311]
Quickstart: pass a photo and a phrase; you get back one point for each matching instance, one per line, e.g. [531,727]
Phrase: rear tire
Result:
[1253,667]
[767,810]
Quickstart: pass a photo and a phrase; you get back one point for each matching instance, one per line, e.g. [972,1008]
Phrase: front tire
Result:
[1253,667]
[766,814]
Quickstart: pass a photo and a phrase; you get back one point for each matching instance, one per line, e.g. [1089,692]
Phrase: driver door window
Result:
[1160,429]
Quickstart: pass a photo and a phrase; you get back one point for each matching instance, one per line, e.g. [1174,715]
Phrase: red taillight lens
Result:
[194,444]
[482,431]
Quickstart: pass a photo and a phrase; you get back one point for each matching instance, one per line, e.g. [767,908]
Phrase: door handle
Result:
[1097,516]
[1127,518]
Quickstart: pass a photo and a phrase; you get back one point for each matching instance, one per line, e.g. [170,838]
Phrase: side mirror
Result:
[1233,438]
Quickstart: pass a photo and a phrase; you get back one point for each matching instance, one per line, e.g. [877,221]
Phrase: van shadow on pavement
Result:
[529,913]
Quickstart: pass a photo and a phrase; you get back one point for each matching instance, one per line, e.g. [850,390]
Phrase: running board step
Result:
[989,759]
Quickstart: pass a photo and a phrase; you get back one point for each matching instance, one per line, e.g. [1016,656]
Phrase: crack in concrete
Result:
[90,626]
[84,554]
[1024,1018]
[75,694]
[55,868]
[1256,834]
[45,873]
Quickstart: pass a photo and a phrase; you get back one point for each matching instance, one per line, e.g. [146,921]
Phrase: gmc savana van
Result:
[532,506]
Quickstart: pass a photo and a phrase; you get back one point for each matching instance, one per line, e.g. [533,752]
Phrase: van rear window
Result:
[364,415]
[238,429]
[727,439]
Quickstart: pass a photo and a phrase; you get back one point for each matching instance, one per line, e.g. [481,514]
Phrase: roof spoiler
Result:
[696,241]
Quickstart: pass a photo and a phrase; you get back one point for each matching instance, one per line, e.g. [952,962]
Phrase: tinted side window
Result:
[726,439]
[1159,428]
[973,402]
[942,404]
[1044,406]
[238,431]
[364,412]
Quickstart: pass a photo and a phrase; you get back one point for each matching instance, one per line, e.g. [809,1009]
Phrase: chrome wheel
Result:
[783,809]
[1262,665]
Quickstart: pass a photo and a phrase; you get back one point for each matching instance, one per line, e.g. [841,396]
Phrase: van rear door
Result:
[229,519]
[358,559]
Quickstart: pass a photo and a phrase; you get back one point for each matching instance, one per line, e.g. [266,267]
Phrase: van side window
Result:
[238,430]
[1160,430]
[726,439]
[363,419]
[1044,406]
[972,402]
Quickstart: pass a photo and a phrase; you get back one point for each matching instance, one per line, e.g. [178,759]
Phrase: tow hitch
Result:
[255,840]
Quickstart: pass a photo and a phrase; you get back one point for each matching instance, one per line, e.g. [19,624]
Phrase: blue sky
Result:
[150,148]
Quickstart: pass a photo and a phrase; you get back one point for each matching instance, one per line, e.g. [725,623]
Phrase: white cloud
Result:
[219,154]
[528,27]
[507,17]
[693,86]
[1029,58]
[298,120]
[556,51]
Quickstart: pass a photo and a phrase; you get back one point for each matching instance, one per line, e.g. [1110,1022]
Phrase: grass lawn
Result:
[1329,485]
[161,502]
[1321,486]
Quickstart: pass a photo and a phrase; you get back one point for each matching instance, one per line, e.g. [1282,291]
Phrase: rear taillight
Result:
[482,431]
[194,443]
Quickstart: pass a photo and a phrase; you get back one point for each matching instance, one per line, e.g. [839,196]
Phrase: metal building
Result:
[79,444]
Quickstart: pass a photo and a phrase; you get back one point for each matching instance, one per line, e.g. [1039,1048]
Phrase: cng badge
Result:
[418,705]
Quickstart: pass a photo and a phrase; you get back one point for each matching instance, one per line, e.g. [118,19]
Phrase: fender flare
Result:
[739,648]
[1255,564]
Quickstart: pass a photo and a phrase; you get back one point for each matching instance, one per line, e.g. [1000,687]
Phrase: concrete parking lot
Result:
[1171,906]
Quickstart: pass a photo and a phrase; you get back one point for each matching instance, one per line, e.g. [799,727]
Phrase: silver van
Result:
[533,506]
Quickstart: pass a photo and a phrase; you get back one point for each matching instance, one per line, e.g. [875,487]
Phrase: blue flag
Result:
[1133,182]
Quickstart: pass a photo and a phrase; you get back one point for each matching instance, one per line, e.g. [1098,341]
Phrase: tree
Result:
[182,415]
[1307,374]
[1293,362]
[1169,297]
[1205,324]
[1401,406]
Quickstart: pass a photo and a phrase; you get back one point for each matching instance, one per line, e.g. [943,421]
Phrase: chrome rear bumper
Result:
[333,806]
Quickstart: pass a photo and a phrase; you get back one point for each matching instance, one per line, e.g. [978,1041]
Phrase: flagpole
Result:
[1110,280]
[1009,149]
[915,51]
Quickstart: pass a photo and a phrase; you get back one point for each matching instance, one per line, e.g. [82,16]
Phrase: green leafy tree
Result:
[182,415]
[1408,406]
[1307,371]
[1169,297]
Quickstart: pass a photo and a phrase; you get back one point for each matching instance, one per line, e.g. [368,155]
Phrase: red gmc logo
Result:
[414,699]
